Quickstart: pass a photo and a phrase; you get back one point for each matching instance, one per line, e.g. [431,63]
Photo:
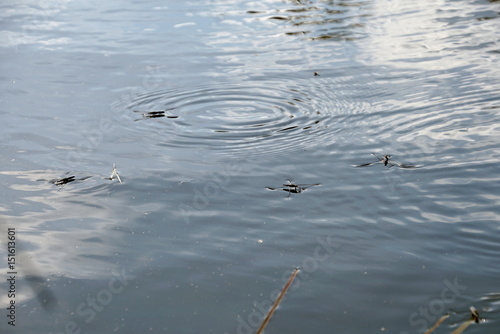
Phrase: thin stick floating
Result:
[436,325]
[277,302]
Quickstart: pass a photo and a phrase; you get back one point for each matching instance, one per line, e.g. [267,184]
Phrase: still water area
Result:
[356,140]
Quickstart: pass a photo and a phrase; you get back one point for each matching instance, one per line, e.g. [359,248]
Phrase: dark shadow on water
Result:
[35,280]
[44,295]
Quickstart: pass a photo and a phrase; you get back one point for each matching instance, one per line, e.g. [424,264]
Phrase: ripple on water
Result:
[320,20]
[267,116]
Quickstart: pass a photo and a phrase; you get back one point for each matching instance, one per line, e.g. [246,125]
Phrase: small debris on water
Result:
[115,173]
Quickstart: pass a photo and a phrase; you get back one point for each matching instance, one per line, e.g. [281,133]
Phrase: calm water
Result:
[192,241]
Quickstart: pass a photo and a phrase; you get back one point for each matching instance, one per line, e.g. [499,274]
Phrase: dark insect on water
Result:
[387,161]
[155,114]
[475,315]
[293,188]
[474,318]
[65,180]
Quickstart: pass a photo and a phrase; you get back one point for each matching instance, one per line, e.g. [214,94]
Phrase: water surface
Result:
[192,241]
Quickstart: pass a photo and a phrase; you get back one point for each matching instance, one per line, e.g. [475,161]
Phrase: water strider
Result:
[475,315]
[387,161]
[69,179]
[474,318]
[65,180]
[72,178]
[293,188]
[155,114]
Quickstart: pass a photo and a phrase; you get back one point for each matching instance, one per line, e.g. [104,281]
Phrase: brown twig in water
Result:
[463,327]
[436,325]
[277,302]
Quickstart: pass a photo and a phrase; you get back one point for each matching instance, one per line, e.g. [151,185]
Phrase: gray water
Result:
[192,241]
